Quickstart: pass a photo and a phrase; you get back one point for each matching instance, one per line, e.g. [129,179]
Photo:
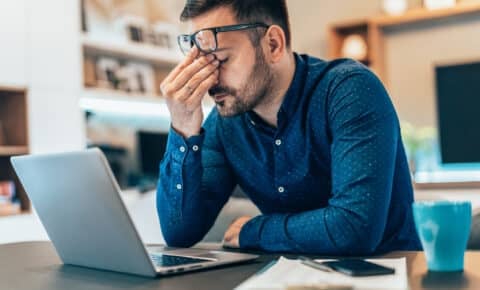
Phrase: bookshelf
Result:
[141,52]
[127,54]
[373,31]
[13,141]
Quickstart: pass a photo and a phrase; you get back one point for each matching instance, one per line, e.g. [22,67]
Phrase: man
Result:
[316,145]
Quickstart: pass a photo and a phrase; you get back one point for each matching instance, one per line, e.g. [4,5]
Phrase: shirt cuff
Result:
[268,233]
[251,232]
[184,149]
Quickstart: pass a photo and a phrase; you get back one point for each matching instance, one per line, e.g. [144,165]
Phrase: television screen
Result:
[458,109]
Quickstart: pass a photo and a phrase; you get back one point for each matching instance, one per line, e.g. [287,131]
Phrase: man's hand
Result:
[232,235]
[184,89]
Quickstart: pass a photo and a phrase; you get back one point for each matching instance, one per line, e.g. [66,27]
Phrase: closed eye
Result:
[222,61]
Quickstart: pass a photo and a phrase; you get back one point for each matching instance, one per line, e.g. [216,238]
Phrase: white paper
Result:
[288,272]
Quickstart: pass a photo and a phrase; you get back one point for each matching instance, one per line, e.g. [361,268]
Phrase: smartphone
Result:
[357,267]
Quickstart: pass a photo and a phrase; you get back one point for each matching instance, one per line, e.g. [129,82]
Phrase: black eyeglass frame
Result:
[216,30]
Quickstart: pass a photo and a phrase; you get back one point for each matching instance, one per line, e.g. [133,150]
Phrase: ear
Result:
[275,43]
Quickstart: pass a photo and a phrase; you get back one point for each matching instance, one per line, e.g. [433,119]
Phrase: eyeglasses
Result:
[206,39]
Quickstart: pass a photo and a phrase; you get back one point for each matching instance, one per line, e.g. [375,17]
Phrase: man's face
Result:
[245,78]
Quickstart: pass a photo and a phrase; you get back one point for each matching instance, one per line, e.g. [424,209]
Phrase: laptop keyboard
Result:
[168,261]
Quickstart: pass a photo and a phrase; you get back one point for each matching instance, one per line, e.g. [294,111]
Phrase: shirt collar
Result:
[294,93]
[292,96]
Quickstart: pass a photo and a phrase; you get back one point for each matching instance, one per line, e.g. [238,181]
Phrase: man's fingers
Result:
[194,100]
[203,74]
[189,59]
[230,233]
[197,87]
[186,74]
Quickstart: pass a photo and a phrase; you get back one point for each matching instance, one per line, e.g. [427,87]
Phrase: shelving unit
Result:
[373,30]
[13,150]
[108,86]
[13,117]
[142,52]
[132,104]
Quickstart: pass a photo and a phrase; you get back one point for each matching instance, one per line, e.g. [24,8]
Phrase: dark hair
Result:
[266,11]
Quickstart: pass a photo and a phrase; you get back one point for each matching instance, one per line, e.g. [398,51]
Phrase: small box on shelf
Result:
[7,191]
[7,195]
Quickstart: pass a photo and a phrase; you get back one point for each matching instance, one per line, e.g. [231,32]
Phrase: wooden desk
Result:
[35,265]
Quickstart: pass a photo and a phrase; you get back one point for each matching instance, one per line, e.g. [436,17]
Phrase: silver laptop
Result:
[78,201]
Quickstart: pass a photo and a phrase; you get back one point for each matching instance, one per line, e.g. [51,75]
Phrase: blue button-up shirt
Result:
[332,178]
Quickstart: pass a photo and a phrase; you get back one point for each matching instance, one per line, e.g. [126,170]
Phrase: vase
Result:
[395,7]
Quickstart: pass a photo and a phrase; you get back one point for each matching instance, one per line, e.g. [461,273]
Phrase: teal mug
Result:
[443,228]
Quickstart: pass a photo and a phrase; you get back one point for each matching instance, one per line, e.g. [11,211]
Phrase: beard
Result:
[255,91]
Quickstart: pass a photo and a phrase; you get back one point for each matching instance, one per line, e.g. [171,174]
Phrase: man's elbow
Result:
[181,237]
[359,244]
[178,241]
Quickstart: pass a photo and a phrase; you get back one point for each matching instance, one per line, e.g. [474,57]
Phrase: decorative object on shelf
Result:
[395,7]
[106,76]
[3,138]
[165,35]
[99,16]
[7,191]
[134,27]
[138,30]
[141,77]
[131,77]
[438,4]
[355,47]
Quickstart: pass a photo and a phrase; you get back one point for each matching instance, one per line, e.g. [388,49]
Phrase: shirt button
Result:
[281,189]
[253,122]
[179,186]
[195,148]
[278,142]
[183,149]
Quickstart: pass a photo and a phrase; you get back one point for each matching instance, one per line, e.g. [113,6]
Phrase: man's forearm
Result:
[189,195]
[332,231]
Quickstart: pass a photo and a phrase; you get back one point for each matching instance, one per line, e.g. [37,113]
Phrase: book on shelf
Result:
[7,191]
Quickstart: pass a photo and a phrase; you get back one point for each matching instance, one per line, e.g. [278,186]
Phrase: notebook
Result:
[287,273]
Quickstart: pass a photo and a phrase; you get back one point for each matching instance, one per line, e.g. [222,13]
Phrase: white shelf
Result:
[12,88]
[143,52]
[13,150]
[110,94]
[116,102]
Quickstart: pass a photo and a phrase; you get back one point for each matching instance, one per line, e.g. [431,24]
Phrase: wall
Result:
[41,51]
[13,36]
[411,51]
[412,54]
[54,76]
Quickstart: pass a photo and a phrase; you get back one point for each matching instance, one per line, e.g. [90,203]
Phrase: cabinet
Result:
[13,141]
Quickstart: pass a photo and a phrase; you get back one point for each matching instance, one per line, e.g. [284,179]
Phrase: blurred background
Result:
[84,73]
